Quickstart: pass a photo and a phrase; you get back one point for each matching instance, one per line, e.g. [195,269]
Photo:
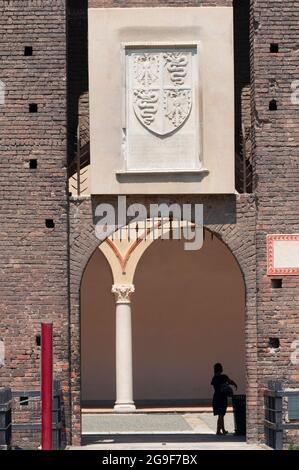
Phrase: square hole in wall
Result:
[274,48]
[49,223]
[276,283]
[28,51]
[274,343]
[33,164]
[38,340]
[273,105]
[33,108]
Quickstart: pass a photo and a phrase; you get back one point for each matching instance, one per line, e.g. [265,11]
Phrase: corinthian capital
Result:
[123,292]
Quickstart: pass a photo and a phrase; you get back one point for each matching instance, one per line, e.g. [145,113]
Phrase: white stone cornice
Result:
[123,293]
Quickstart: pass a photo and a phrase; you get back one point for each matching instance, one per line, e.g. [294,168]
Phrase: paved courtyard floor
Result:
[159,431]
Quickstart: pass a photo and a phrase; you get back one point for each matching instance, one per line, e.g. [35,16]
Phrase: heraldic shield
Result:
[162,89]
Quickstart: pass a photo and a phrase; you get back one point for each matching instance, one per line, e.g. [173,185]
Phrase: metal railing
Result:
[279,418]
[20,412]
[5,418]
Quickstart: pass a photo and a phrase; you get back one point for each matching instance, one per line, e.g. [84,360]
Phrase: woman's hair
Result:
[218,369]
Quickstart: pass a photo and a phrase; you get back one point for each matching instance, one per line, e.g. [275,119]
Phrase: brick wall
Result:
[33,261]
[276,167]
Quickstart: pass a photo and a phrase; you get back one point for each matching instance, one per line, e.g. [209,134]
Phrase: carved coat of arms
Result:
[162,89]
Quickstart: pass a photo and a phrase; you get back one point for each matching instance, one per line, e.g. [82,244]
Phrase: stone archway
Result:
[188,312]
[233,220]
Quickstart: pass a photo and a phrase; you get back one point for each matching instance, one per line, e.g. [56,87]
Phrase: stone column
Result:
[124,370]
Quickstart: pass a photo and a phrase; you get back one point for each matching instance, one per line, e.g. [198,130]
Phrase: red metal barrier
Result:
[47,385]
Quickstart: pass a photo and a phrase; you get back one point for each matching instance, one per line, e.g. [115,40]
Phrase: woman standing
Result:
[221,384]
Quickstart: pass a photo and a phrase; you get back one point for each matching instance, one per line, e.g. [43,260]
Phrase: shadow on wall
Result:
[77,66]
[243,157]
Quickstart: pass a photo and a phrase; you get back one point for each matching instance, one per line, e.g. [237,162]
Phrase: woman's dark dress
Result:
[219,398]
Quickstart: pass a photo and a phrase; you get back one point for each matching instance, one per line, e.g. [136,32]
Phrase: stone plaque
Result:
[161,132]
[161,100]
[283,255]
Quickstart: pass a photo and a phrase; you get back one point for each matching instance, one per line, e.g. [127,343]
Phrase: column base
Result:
[124,407]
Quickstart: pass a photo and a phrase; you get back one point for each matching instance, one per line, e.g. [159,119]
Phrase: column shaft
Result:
[124,368]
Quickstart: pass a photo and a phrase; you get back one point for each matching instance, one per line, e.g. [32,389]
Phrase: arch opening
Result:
[188,312]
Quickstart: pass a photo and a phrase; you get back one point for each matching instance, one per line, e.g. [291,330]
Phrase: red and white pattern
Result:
[271,269]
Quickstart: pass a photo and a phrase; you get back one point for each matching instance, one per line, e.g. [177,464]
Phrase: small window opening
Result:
[273,105]
[50,223]
[274,48]
[33,108]
[276,283]
[274,343]
[28,51]
[33,164]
